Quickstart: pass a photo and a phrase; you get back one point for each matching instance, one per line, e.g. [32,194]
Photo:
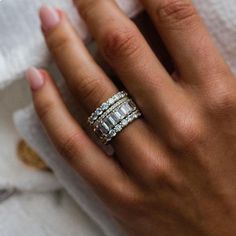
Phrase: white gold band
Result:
[99,111]
[113,116]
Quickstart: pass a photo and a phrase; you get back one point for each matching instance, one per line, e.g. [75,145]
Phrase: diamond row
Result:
[113,108]
[113,118]
[100,110]
[119,127]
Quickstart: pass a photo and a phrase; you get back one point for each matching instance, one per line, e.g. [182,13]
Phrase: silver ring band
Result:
[113,116]
[99,111]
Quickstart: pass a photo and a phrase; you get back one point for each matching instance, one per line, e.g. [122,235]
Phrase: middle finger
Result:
[130,55]
[80,71]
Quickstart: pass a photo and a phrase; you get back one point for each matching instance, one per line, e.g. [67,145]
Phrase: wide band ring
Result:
[113,116]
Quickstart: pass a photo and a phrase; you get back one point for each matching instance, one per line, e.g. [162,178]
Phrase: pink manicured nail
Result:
[49,17]
[35,78]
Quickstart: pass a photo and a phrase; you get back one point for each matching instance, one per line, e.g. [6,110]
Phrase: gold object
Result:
[29,157]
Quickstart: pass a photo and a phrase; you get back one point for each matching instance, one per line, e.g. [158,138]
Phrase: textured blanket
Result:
[21,41]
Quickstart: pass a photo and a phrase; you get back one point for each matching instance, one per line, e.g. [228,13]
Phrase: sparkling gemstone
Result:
[122,112]
[118,128]
[108,123]
[104,128]
[112,133]
[115,117]
[124,109]
[94,117]
[104,106]
[124,122]
[112,119]
[118,115]
[128,107]
[129,119]
[110,101]
[98,112]
[132,105]
[116,97]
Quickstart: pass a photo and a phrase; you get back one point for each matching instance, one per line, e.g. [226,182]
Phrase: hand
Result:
[174,171]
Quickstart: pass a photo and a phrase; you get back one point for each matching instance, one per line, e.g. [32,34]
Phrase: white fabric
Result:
[47,214]
[219,16]
[32,131]
[13,174]
[32,202]
[21,41]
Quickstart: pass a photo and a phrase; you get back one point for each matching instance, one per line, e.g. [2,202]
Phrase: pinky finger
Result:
[71,141]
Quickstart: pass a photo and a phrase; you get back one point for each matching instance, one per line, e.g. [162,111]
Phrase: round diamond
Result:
[110,101]
[112,133]
[94,117]
[118,128]
[124,122]
[104,106]
[129,119]
[98,111]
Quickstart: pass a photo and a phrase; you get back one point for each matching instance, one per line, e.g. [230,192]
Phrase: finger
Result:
[85,79]
[158,96]
[91,85]
[129,54]
[187,39]
[71,141]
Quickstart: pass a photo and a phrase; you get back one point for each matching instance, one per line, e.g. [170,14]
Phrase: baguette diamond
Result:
[113,116]
[132,117]
[99,111]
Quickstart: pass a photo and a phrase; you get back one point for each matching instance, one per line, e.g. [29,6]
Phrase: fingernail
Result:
[35,78]
[49,17]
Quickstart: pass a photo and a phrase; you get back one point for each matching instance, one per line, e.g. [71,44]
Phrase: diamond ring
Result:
[113,116]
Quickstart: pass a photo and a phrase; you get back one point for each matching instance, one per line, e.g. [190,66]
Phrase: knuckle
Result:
[188,133]
[212,66]
[44,109]
[176,13]
[92,90]
[129,204]
[159,170]
[119,43]
[222,99]
[67,147]
[164,177]
[86,8]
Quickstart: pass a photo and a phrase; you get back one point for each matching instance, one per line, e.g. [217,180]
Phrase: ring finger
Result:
[88,82]
[159,97]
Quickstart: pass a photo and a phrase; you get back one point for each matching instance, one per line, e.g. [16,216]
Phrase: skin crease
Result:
[174,170]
